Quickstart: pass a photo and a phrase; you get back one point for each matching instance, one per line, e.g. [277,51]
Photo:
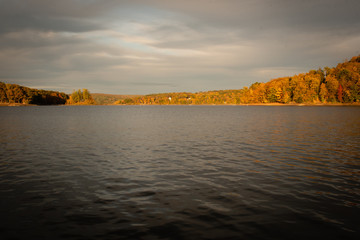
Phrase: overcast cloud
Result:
[152,46]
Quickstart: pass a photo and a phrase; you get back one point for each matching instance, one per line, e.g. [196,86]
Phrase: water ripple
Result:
[179,172]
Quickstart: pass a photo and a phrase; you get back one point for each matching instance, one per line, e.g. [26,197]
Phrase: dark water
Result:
[180,172]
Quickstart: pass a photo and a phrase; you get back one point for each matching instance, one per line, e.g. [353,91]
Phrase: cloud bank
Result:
[139,47]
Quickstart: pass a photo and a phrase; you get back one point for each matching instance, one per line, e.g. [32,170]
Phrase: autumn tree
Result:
[323,93]
[332,86]
[340,93]
[81,97]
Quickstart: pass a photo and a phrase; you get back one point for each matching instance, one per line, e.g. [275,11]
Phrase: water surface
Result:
[179,172]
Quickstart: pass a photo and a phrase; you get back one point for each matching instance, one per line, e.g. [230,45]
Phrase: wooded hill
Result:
[13,93]
[340,84]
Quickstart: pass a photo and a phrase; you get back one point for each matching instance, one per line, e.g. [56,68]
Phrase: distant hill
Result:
[340,84]
[103,99]
[16,94]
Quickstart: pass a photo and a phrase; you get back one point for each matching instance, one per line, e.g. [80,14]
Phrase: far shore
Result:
[242,104]
[15,104]
[245,104]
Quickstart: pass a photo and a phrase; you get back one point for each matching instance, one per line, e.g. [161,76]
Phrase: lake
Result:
[180,172]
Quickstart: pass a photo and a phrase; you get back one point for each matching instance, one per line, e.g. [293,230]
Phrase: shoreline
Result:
[242,104]
[16,105]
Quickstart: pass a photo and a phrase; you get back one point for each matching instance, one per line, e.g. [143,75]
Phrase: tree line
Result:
[340,84]
[13,93]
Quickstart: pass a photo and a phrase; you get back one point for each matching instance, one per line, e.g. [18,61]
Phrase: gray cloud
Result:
[68,16]
[136,46]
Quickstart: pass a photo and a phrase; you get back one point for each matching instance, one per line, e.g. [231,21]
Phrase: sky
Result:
[157,46]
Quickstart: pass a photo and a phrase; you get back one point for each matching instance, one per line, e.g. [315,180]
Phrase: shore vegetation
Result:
[80,97]
[337,85]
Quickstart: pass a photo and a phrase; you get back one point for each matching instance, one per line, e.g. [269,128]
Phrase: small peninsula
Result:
[15,95]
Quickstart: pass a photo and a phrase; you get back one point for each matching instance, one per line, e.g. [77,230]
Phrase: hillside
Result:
[103,99]
[16,94]
[340,84]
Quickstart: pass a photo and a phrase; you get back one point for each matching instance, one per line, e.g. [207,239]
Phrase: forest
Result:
[340,84]
[13,93]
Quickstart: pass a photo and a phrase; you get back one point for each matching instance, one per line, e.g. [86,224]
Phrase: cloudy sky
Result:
[153,46]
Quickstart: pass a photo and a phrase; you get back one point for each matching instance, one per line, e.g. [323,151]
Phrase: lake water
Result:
[180,172]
